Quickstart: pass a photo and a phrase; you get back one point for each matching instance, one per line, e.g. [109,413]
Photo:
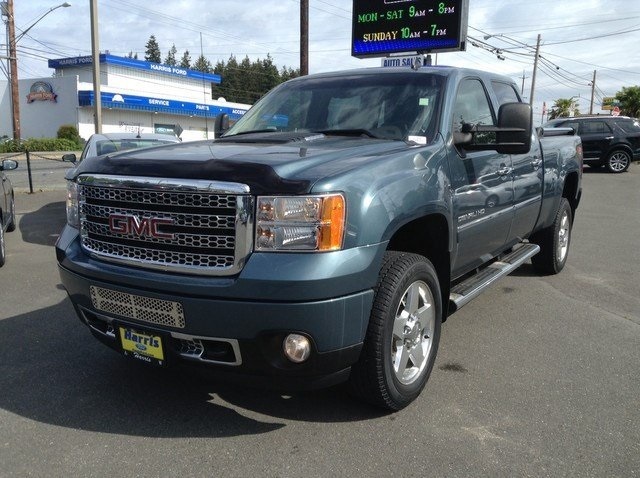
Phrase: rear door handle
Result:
[536,163]
[504,171]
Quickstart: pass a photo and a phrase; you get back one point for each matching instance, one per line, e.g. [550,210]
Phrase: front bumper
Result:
[237,325]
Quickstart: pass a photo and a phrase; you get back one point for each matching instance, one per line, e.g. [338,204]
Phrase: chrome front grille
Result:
[200,227]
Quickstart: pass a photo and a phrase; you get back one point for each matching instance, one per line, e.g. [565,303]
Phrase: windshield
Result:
[390,106]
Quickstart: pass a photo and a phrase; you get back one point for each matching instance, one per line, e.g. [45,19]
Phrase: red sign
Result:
[615,111]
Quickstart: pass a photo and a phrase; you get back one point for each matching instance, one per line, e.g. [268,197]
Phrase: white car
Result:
[107,143]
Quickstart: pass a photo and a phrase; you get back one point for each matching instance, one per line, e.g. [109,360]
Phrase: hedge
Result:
[39,144]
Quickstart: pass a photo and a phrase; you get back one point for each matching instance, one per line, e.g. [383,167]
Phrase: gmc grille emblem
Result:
[144,227]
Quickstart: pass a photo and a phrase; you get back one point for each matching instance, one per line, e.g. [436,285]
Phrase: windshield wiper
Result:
[268,130]
[348,132]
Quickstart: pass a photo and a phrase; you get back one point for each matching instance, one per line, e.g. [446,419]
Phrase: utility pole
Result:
[304,37]
[13,71]
[95,50]
[593,92]
[523,78]
[535,69]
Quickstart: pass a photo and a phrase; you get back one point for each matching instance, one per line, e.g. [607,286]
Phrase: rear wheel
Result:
[11,225]
[554,241]
[404,330]
[2,246]
[618,161]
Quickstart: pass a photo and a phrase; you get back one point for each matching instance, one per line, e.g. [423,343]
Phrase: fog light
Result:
[297,348]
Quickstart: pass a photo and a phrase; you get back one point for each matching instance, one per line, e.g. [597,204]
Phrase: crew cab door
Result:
[527,175]
[482,184]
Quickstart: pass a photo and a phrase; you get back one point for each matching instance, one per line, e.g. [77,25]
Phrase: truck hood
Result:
[268,163]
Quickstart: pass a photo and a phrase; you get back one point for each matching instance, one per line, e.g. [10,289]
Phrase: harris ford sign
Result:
[136,65]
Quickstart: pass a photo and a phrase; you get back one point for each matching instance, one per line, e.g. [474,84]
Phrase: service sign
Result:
[385,27]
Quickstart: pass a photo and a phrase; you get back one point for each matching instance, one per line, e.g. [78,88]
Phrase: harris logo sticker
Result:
[41,91]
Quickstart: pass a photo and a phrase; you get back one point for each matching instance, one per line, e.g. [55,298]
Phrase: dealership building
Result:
[136,96]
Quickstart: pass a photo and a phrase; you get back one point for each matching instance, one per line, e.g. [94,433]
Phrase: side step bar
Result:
[471,288]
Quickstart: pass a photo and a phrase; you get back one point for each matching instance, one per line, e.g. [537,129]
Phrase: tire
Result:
[11,225]
[618,161]
[554,241]
[404,331]
[3,253]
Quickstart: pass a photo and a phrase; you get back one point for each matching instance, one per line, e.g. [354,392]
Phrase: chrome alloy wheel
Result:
[564,233]
[619,161]
[413,331]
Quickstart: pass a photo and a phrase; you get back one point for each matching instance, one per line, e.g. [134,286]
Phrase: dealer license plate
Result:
[142,345]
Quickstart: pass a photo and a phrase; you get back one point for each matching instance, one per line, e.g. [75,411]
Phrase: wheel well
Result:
[571,192]
[619,147]
[429,237]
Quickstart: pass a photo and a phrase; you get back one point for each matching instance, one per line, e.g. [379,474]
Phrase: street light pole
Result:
[13,61]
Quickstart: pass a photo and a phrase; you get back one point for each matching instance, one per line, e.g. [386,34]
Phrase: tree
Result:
[185,62]
[202,64]
[132,55]
[171,56]
[629,99]
[563,108]
[248,81]
[152,52]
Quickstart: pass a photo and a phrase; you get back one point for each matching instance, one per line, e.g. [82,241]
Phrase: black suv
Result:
[611,141]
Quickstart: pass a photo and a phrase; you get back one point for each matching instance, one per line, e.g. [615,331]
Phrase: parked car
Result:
[107,143]
[7,205]
[611,141]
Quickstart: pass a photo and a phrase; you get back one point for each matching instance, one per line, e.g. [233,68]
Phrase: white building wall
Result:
[41,119]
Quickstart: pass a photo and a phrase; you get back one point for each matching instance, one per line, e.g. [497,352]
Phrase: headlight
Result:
[300,223]
[73,213]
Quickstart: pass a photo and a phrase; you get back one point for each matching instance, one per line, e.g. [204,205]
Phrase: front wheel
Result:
[554,241]
[618,161]
[403,334]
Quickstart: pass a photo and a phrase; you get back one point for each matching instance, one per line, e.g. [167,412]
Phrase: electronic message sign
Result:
[384,27]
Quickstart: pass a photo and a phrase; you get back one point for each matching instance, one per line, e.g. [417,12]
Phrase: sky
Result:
[578,37]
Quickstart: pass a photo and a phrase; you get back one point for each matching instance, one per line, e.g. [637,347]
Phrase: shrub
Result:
[70,132]
[50,144]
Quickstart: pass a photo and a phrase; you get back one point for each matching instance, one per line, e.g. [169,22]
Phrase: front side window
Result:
[472,105]
[594,127]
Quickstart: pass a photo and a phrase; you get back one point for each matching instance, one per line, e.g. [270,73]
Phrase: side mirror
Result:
[69,158]
[512,135]
[515,123]
[221,125]
[8,165]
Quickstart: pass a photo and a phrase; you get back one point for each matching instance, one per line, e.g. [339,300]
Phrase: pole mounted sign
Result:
[387,27]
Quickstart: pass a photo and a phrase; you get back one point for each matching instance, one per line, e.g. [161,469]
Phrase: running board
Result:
[471,288]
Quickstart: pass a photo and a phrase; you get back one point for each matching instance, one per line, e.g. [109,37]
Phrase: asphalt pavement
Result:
[537,377]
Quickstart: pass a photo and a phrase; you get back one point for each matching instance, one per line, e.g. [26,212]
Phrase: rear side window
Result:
[505,92]
[629,126]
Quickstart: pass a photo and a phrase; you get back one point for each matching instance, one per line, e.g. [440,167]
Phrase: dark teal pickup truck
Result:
[327,235]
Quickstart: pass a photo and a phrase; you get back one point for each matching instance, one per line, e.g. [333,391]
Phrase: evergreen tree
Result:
[171,56]
[152,52]
[132,55]
[202,64]
[185,62]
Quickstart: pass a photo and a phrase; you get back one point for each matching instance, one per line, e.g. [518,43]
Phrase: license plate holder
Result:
[142,345]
